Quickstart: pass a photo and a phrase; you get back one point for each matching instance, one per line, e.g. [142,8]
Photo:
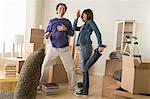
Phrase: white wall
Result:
[146,36]
[34,16]
[105,14]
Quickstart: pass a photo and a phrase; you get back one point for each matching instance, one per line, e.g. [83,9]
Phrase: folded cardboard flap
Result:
[128,61]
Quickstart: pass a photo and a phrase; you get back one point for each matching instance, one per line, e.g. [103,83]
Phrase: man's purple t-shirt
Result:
[59,39]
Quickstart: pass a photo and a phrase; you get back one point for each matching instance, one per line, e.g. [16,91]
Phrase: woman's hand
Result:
[101,49]
[78,14]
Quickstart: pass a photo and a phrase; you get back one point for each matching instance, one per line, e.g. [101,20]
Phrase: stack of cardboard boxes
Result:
[135,79]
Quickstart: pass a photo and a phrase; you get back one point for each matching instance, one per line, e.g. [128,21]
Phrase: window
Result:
[12,21]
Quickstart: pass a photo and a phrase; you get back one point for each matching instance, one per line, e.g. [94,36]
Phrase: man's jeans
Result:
[87,60]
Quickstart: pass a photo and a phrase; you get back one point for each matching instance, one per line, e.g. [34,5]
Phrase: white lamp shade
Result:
[18,39]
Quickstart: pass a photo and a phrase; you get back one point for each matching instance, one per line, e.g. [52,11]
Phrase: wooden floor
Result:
[66,93]
[95,91]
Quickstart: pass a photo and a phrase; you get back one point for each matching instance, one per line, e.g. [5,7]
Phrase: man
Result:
[58,30]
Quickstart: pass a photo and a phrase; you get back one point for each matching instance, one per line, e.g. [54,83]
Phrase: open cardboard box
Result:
[135,76]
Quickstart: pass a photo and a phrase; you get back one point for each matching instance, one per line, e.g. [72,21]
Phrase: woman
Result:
[87,59]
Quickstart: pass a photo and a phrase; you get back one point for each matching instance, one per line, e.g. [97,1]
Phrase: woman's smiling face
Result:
[84,17]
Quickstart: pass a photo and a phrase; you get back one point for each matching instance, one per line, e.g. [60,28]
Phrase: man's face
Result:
[61,10]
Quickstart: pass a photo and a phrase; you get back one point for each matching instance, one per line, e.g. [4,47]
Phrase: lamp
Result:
[18,41]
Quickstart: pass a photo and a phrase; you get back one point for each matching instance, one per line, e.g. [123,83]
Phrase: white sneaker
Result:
[77,90]
[76,94]
[80,94]
[39,88]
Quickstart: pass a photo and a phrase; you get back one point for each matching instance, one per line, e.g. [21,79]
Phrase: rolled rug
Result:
[29,76]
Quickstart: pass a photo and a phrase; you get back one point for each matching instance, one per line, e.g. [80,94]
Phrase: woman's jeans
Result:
[87,60]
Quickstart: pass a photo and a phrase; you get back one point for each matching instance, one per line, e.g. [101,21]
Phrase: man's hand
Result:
[48,34]
[62,27]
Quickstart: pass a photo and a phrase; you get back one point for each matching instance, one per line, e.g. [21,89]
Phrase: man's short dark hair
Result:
[61,4]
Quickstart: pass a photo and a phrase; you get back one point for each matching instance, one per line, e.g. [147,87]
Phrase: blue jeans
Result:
[87,60]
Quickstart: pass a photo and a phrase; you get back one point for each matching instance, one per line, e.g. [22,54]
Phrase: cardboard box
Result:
[19,65]
[109,86]
[37,36]
[112,66]
[38,46]
[117,94]
[77,58]
[57,74]
[135,76]
[7,86]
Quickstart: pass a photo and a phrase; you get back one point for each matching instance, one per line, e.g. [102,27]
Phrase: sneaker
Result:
[39,88]
[80,94]
[77,90]
[80,84]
